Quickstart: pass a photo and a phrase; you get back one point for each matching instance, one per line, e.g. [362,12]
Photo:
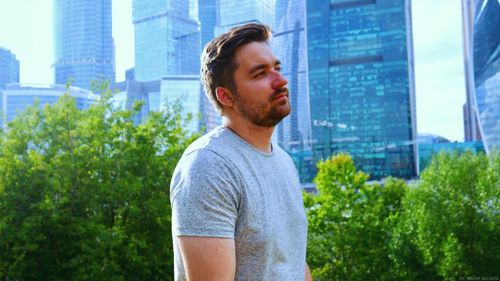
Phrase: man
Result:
[237,210]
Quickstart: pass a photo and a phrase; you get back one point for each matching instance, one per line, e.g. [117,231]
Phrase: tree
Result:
[449,228]
[350,223]
[84,195]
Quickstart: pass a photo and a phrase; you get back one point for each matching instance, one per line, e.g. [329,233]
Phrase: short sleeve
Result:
[204,193]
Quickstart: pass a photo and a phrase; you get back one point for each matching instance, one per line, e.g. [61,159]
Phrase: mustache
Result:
[279,91]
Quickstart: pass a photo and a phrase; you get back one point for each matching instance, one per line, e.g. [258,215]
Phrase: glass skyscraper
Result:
[486,43]
[471,125]
[289,44]
[361,84]
[167,38]
[207,14]
[9,73]
[84,47]
[231,13]
[131,91]
[9,68]
[185,90]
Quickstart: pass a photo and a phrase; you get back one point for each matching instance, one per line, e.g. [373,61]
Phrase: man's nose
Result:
[279,81]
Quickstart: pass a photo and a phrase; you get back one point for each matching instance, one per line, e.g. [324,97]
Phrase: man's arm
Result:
[308,273]
[208,259]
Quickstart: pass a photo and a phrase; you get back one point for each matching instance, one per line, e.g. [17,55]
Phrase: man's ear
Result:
[224,96]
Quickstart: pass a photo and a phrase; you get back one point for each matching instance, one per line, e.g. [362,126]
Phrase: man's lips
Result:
[280,94]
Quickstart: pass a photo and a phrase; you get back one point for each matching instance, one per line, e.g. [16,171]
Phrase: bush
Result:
[446,227]
[351,222]
[84,195]
[449,228]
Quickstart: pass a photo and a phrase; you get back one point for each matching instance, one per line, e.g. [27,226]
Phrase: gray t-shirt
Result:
[224,187]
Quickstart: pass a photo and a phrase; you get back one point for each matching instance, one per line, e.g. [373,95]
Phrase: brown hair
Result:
[217,60]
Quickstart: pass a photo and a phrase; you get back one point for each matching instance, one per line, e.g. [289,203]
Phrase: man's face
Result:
[261,96]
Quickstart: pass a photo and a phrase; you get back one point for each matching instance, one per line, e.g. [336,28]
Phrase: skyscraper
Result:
[231,13]
[361,84]
[289,44]
[471,126]
[207,14]
[84,48]
[183,89]
[167,44]
[167,37]
[486,54]
[9,68]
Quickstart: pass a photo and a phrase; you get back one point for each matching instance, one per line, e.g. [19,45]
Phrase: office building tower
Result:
[361,84]
[16,97]
[84,47]
[207,14]
[130,91]
[232,13]
[471,126]
[9,68]
[289,44]
[183,90]
[167,38]
[486,56]
[9,73]
[129,74]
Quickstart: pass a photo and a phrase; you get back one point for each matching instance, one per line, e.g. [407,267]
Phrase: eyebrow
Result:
[260,66]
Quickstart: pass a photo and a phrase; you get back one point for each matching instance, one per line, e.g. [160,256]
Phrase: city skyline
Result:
[438,54]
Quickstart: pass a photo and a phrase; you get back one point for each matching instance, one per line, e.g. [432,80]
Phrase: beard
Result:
[266,114]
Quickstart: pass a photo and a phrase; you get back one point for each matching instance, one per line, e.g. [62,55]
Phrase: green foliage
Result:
[445,227]
[84,195]
[450,224]
[350,223]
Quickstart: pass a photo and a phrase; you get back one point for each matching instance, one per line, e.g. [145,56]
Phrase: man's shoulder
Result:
[204,164]
[208,144]
[207,155]
[283,155]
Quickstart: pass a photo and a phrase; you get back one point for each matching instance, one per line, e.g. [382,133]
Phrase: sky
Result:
[26,29]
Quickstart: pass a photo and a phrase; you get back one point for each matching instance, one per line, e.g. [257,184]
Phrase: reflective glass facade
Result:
[9,68]
[185,90]
[131,91]
[207,14]
[16,97]
[471,125]
[426,151]
[361,84]
[487,71]
[84,48]
[289,44]
[167,38]
[231,13]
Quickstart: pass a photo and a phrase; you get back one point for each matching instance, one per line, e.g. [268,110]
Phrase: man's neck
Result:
[258,137]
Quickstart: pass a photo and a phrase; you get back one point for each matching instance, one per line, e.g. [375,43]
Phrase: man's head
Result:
[227,63]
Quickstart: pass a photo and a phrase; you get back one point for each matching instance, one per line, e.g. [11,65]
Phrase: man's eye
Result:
[277,68]
[258,75]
